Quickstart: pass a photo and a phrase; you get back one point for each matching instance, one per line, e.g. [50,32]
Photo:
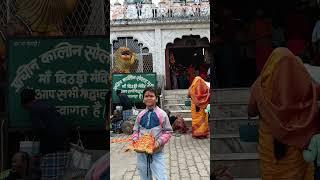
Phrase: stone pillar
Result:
[158,59]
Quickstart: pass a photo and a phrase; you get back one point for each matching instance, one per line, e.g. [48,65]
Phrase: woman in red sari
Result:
[199,93]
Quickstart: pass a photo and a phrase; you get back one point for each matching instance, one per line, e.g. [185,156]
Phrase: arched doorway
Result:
[144,61]
[185,56]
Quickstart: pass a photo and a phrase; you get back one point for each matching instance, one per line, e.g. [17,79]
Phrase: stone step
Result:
[174,101]
[229,110]
[235,156]
[176,107]
[175,92]
[234,118]
[242,165]
[176,96]
[184,113]
[229,103]
[229,125]
[232,95]
[230,143]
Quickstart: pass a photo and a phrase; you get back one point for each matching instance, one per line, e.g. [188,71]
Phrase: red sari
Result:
[200,97]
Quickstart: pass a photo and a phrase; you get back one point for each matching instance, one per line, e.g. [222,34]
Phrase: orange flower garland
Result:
[145,144]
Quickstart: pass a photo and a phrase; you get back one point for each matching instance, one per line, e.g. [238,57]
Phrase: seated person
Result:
[171,118]
[19,167]
[179,125]
[116,121]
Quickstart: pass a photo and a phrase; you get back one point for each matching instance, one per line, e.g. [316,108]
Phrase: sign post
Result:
[132,85]
[71,73]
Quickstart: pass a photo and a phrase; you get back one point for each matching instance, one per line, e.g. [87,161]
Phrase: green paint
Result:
[85,95]
[132,85]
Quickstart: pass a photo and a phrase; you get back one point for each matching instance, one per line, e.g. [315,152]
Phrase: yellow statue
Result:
[124,60]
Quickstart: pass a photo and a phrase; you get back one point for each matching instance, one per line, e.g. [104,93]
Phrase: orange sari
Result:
[286,98]
[200,97]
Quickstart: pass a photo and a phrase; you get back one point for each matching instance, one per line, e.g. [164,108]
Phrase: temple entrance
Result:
[186,58]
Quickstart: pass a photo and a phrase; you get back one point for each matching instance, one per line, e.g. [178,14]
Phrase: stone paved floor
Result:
[186,158]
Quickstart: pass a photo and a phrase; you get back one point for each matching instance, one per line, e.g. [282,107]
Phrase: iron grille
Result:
[89,17]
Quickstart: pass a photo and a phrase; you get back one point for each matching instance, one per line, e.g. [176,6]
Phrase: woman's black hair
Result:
[149,89]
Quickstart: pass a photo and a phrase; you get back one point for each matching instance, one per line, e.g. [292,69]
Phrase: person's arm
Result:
[252,107]
[135,135]
[166,131]
[122,101]
[116,119]
[127,102]
[310,154]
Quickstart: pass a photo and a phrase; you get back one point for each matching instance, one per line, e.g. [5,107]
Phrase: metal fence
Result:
[84,17]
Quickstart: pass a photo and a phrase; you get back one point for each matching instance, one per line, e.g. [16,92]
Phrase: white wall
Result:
[156,37]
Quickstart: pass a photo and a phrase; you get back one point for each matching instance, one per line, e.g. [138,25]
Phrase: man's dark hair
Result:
[27,95]
[118,91]
[149,89]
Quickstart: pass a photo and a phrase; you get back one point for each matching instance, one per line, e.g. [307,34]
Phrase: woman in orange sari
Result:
[199,93]
[285,97]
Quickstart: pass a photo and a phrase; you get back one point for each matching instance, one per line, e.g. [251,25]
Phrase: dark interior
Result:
[240,70]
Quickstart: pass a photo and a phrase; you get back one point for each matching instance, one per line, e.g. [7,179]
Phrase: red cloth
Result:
[297,47]
[296,26]
[263,28]
[297,30]
[262,54]
[179,125]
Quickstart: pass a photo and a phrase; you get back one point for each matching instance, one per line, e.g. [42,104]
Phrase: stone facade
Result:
[155,32]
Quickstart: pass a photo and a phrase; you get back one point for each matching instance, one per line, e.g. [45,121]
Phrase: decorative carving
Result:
[147,38]
[169,36]
[130,10]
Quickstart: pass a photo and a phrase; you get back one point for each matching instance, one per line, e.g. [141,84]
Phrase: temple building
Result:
[161,32]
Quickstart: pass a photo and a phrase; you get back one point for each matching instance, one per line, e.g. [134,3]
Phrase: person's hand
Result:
[135,139]
[156,146]
[139,151]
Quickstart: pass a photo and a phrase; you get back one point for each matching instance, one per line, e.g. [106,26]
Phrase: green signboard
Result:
[132,85]
[70,73]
